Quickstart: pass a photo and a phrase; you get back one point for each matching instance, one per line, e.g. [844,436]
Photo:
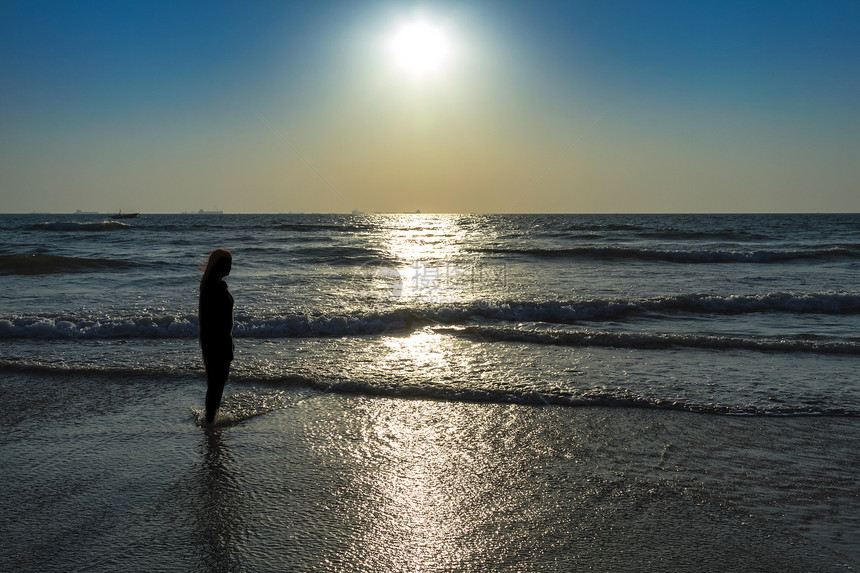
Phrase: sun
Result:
[420,47]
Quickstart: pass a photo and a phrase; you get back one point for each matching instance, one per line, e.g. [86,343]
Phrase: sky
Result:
[543,107]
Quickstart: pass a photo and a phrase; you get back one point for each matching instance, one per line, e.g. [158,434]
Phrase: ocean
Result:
[433,393]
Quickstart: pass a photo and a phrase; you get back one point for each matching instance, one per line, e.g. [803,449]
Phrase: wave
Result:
[608,227]
[144,373]
[185,326]
[41,263]
[589,397]
[72,226]
[584,236]
[724,235]
[600,233]
[341,255]
[680,256]
[584,398]
[659,232]
[612,309]
[376,322]
[338,227]
[654,341]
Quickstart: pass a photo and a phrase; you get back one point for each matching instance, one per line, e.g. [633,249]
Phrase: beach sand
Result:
[122,477]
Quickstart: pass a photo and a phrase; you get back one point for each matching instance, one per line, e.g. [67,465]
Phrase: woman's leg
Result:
[216,377]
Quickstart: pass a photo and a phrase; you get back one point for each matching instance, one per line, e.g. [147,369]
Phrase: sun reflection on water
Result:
[429,263]
[418,238]
[431,486]
[427,501]
[431,490]
[422,351]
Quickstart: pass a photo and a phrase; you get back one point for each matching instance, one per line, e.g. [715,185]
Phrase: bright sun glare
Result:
[420,47]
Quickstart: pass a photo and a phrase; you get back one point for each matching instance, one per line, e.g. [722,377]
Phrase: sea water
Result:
[436,392]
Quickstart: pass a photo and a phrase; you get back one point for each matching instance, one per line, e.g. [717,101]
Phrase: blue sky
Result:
[543,107]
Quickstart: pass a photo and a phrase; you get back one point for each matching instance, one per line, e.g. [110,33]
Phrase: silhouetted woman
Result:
[215,320]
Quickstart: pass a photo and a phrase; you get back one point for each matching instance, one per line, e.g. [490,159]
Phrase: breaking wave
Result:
[609,309]
[321,325]
[185,326]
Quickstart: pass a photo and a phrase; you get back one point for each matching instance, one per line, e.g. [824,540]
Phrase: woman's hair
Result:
[215,257]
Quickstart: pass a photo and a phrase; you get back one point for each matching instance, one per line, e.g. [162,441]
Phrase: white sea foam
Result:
[185,326]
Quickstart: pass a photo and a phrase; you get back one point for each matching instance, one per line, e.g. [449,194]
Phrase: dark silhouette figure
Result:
[215,320]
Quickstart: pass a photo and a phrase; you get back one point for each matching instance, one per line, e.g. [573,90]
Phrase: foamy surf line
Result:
[185,325]
[652,341]
[682,256]
[255,404]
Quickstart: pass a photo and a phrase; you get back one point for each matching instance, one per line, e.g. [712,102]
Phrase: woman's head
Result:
[217,266]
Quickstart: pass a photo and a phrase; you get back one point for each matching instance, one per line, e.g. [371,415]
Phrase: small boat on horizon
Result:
[122,215]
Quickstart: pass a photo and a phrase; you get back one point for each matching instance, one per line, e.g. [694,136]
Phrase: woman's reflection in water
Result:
[218,506]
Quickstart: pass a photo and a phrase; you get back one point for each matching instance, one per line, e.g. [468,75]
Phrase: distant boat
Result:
[122,215]
[217,211]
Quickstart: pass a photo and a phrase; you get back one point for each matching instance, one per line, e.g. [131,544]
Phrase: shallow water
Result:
[124,478]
